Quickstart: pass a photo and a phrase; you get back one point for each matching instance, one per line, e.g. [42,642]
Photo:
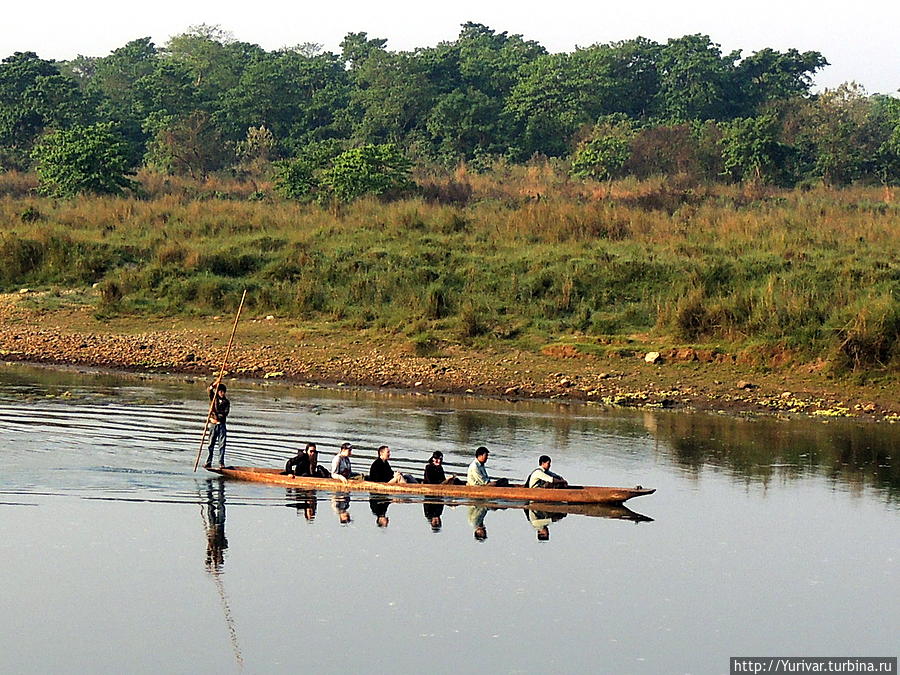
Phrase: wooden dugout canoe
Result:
[573,494]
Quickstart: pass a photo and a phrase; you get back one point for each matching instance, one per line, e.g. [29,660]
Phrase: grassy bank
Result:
[524,259]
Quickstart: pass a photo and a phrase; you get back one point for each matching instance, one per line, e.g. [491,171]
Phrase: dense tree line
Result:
[206,102]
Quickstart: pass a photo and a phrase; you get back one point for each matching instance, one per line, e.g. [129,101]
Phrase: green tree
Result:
[370,169]
[606,151]
[295,94]
[299,178]
[751,150]
[34,96]
[82,159]
[840,134]
[548,105]
[769,75]
[695,79]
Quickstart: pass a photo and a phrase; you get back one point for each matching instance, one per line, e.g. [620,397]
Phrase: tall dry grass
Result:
[528,254]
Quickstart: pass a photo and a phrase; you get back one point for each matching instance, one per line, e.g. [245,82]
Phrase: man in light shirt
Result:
[543,477]
[478,475]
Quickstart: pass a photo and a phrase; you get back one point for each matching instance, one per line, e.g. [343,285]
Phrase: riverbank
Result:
[330,354]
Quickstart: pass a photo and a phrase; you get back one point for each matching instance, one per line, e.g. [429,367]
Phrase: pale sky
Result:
[861,40]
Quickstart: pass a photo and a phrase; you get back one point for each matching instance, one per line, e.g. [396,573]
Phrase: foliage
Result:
[484,97]
[370,169]
[751,149]
[82,159]
[299,178]
[33,96]
[605,152]
[189,145]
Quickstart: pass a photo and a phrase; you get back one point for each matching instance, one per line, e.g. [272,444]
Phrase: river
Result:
[765,537]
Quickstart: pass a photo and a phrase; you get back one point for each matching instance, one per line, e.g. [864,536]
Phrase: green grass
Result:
[815,272]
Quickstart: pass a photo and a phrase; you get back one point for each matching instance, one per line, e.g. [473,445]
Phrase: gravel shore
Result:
[322,355]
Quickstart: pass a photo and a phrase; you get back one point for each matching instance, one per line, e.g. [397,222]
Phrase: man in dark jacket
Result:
[381,471]
[306,463]
[218,413]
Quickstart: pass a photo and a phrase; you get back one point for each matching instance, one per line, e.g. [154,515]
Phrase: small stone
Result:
[24,290]
[270,318]
[652,357]
[418,384]
[744,384]
[603,376]
[786,394]
[510,390]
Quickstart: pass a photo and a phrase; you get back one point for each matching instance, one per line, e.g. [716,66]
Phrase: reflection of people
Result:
[220,406]
[303,500]
[541,520]
[340,503]
[434,471]
[381,471]
[476,520]
[433,513]
[543,477]
[478,475]
[216,543]
[379,506]
[340,465]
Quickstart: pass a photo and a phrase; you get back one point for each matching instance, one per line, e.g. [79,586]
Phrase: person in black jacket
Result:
[298,465]
[218,413]
[381,471]
[434,471]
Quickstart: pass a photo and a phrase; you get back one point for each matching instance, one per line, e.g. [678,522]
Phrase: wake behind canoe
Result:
[570,495]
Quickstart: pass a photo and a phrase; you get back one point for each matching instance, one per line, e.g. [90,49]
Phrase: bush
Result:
[380,170]
[82,159]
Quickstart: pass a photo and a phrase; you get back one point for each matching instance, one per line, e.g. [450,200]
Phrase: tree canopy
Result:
[188,106]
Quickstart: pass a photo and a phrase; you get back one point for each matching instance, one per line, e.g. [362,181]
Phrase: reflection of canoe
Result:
[615,511]
[571,495]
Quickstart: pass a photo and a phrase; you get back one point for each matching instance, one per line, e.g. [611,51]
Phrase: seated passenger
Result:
[478,475]
[315,471]
[340,465]
[298,465]
[543,477]
[381,471]
[434,471]
[306,464]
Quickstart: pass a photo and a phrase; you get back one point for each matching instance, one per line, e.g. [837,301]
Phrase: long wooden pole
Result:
[212,401]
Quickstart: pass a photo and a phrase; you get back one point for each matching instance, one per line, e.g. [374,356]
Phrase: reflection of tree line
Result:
[855,454]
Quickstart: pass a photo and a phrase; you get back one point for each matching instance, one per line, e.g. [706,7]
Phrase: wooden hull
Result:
[570,495]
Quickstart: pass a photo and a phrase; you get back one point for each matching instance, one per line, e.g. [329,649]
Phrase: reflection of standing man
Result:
[216,543]
[218,413]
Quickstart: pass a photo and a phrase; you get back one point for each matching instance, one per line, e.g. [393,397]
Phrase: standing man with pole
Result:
[218,413]
[215,389]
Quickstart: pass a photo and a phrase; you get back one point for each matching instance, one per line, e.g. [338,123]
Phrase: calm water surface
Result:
[765,537]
